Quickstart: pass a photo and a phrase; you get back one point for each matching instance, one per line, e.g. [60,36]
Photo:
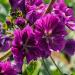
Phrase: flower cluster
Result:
[4,40]
[65,14]
[39,32]
[5,43]
[6,68]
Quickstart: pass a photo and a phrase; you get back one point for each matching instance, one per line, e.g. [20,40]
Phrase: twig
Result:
[56,65]
[7,54]
[46,67]
[49,8]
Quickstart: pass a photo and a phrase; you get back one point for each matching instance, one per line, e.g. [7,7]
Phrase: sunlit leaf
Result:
[32,69]
[69,3]
[47,1]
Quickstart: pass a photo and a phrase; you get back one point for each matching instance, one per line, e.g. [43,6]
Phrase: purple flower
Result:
[37,2]
[32,16]
[20,22]
[5,42]
[24,45]
[31,50]
[18,56]
[70,22]
[65,14]
[8,22]
[14,3]
[17,50]
[49,33]
[34,13]
[34,10]
[34,2]
[17,4]
[70,47]
[21,5]
[6,68]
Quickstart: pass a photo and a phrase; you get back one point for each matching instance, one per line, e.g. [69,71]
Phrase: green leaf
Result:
[4,1]
[69,3]
[32,69]
[2,18]
[56,72]
[47,1]
[4,9]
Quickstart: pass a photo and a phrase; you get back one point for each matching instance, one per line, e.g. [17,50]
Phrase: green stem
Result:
[49,8]
[56,65]
[7,54]
[46,67]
